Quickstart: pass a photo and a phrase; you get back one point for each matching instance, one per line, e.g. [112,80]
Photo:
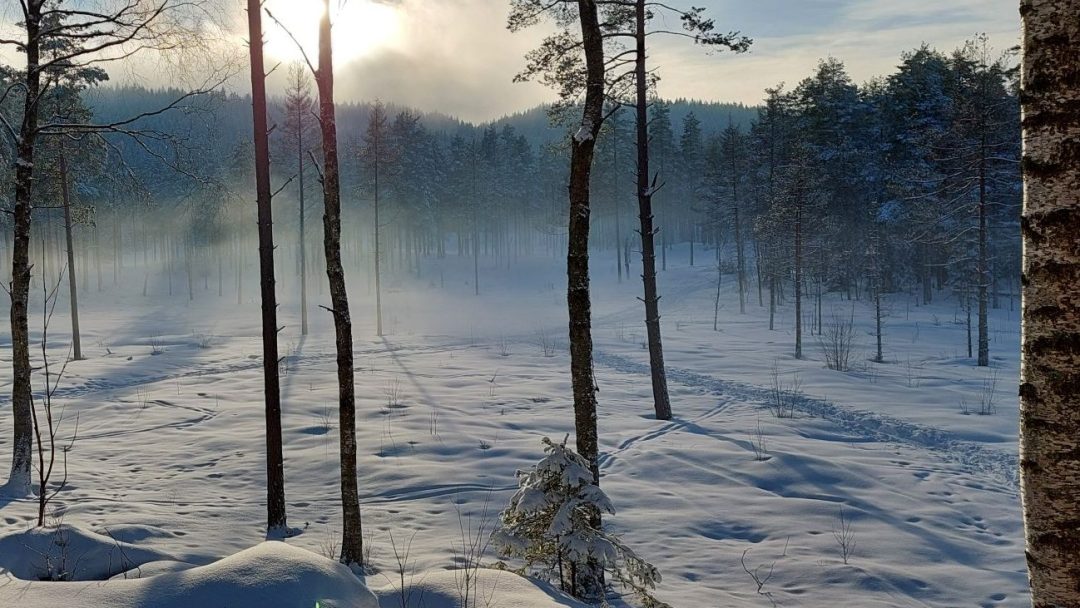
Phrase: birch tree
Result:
[1049,425]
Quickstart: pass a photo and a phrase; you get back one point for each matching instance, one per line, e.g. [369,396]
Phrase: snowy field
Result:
[168,461]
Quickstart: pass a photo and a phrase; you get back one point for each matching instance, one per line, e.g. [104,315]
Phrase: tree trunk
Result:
[303,217]
[352,542]
[740,258]
[798,279]
[188,247]
[716,302]
[967,309]
[76,343]
[378,252]
[879,356]
[661,402]
[757,268]
[984,282]
[275,466]
[616,202]
[588,578]
[97,256]
[772,303]
[1049,425]
[475,225]
[22,440]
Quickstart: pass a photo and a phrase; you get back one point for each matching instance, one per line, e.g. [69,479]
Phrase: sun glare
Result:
[360,28]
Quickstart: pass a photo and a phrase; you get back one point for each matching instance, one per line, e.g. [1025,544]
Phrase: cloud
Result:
[456,56]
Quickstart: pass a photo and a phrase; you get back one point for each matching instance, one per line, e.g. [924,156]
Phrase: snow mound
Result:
[269,575]
[441,589]
[70,553]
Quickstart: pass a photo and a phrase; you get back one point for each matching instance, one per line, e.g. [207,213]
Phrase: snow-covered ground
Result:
[459,392]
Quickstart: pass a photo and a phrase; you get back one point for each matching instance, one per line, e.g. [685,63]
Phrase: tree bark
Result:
[76,343]
[22,444]
[588,578]
[1049,371]
[378,249]
[303,217]
[275,465]
[577,258]
[798,276]
[661,401]
[984,280]
[352,543]
[740,258]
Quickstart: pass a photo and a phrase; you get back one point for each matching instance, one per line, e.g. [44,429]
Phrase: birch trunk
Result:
[1050,367]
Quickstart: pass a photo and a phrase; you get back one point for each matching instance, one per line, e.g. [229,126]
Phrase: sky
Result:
[457,57]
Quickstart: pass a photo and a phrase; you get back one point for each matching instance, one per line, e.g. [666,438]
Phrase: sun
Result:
[361,27]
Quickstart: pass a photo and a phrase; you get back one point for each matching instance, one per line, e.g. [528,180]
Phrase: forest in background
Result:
[910,181]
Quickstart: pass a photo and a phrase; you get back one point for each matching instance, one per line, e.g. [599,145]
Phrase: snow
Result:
[169,455]
[584,133]
[271,575]
[440,589]
[64,552]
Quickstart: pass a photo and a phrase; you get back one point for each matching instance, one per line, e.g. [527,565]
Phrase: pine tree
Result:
[275,464]
[299,124]
[377,158]
[690,174]
[352,539]
[549,524]
[979,145]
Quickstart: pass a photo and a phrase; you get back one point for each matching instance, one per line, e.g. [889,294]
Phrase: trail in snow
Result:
[975,456]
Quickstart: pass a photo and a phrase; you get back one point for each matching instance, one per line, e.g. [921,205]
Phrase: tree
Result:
[701,31]
[587,576]
[772,135]
[352,540]
[611,168]
[299,121]
[919,117]
[414,179]
[549,525]
[276,524]
[725,169]
[83,40]
[796,210]
[691,169]
[979,143]
[628,81]
[1049,426]
[828,112]
[376,158]
[64,100]
[660,147]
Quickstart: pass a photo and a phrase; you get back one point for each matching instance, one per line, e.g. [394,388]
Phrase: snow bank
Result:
[269,575]
[66,552]
[441,589]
